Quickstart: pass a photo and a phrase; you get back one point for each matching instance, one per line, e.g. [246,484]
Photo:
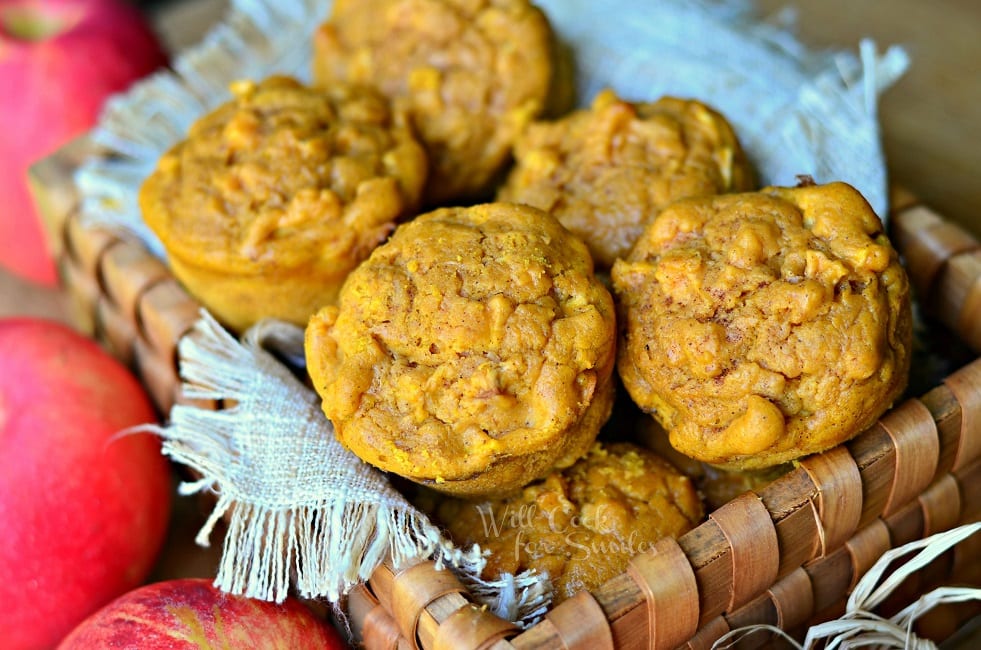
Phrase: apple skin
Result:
[53,89]
[190,613]
[83,512]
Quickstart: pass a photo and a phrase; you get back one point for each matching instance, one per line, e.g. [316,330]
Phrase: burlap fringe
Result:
[327,546]
[323,547]
[860,626]
[522,599]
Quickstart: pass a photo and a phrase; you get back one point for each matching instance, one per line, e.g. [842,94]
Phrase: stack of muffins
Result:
[471,266]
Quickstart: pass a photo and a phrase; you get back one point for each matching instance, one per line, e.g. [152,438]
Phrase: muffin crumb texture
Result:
[470,74]
[275,195]
[761,327]
[472,351]
[582,524]
[606,171]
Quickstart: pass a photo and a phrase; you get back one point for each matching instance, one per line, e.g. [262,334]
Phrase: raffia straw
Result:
[859,626]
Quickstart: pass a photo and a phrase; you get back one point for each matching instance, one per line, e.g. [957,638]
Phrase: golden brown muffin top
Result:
[471,74]
[607,170]
[284,175]
[582,524]
[765,326]
[472,335]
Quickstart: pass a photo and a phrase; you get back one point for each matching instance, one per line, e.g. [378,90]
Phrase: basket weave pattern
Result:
[787,555]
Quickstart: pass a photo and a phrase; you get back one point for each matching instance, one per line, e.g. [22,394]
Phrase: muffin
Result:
[717,485]
[471,352]
[470,73]
[277,194]
[582,524]
[761,327]
[604,172]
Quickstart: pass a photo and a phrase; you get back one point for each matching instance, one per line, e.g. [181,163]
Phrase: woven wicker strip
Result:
[432,618]
[85,245]
[965,384]
[471,627]
[128,270]
[865,548]
[829,576]
[934,575]
[944,262]
[83,293]
[416,587]
[965,566]
[906,524]
[793,599]
[838,506]
[116,330]
[380,631]
[874,453]
[947,414]
[753,550]
[159,375]
[666,579]
[969,481]
[904,527]
[941,505]
[542,636]
[968,318]
[759,611]
[581,623]
[708,634]
[371,622]
[359,602]
[927,242]
[794,519]
[165,313]
[917,450]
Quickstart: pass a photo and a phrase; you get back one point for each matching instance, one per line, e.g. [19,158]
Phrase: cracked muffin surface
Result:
[277,194]
[581,524]
[472,352]
[606,171]
[470,73]
[761,327]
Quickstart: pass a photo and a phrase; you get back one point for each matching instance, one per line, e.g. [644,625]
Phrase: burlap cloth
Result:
[301,511]
[304,513]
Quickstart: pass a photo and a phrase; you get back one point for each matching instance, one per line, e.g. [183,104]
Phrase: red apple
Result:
[59,60]
[190,614]
[83,512]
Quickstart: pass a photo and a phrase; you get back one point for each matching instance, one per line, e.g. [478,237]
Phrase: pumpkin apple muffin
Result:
[472,352]
[581,524]
[605,171]
[761,327]
[470,73]
[717,485]
[277,194]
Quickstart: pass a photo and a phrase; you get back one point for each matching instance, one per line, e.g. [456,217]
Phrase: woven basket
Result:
[787,555]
